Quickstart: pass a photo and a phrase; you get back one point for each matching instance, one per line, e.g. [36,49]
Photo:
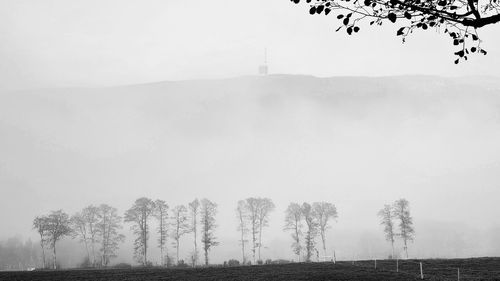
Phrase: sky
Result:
[357,142]
[57,43]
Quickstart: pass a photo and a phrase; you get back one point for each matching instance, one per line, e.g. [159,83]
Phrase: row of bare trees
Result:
[190,218]
[98,227]
[307,222]
[398,212]
[95,226]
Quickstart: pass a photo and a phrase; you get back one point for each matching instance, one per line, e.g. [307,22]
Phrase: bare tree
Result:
[41,224]
[139,214]
[90,216]
[402,213]
[180,226]
[265,206]
[58,228]
[194,210]
[79,226]
[161,214]
[242,215]
[386,219]
[109,222]
[312,230]
[252,205]
[324,212]
[208,212]
[293,222]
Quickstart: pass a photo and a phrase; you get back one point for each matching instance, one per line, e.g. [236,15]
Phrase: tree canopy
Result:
[459,19]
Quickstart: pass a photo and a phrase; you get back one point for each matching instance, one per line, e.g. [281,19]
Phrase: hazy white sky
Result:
[107,42]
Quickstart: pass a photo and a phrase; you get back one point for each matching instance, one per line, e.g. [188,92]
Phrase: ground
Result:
[470,269]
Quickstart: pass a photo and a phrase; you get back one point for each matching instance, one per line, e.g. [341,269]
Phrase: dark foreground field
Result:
[470,269]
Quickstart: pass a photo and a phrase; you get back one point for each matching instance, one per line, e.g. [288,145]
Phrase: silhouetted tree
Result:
[402,213]
[324,212]
[139,214]
[386,219]
[161,215]
[194,210]
[90,216]
[460,19]
[41,224]
[265,206]
[253,207]
[242,216]
[79,225]
[293,222]
[108,224]
[207,213]
[312,229]
[58,228]
[180,226]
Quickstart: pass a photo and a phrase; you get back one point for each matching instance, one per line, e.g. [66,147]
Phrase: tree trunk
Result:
[392,245]
[297,240]
[242,247]
[162,261]
[93,253]
[43,257]
[260,238]
[406,249]
[195,247]
[253,243]
[87,248]
[145,251]
[177,248]
[161,256]
[144,239]
[206,256]
[323,240]
[54,257]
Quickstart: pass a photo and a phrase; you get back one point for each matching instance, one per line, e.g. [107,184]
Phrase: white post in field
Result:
[421,272]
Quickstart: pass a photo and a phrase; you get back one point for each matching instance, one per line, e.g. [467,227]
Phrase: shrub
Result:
[182,264]
[233,262]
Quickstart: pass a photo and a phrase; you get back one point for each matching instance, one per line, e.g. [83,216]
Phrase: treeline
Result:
[98,229]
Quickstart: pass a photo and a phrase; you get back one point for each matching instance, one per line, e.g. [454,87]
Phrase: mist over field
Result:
[358,142]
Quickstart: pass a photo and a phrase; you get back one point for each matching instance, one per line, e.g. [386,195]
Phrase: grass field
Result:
[470,269]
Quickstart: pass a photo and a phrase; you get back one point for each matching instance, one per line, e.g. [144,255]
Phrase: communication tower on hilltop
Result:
[263,69]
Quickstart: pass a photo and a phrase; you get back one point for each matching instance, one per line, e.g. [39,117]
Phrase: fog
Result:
[111,100]
[357,142]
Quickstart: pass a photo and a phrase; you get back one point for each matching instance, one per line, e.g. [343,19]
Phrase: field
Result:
[470,269]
